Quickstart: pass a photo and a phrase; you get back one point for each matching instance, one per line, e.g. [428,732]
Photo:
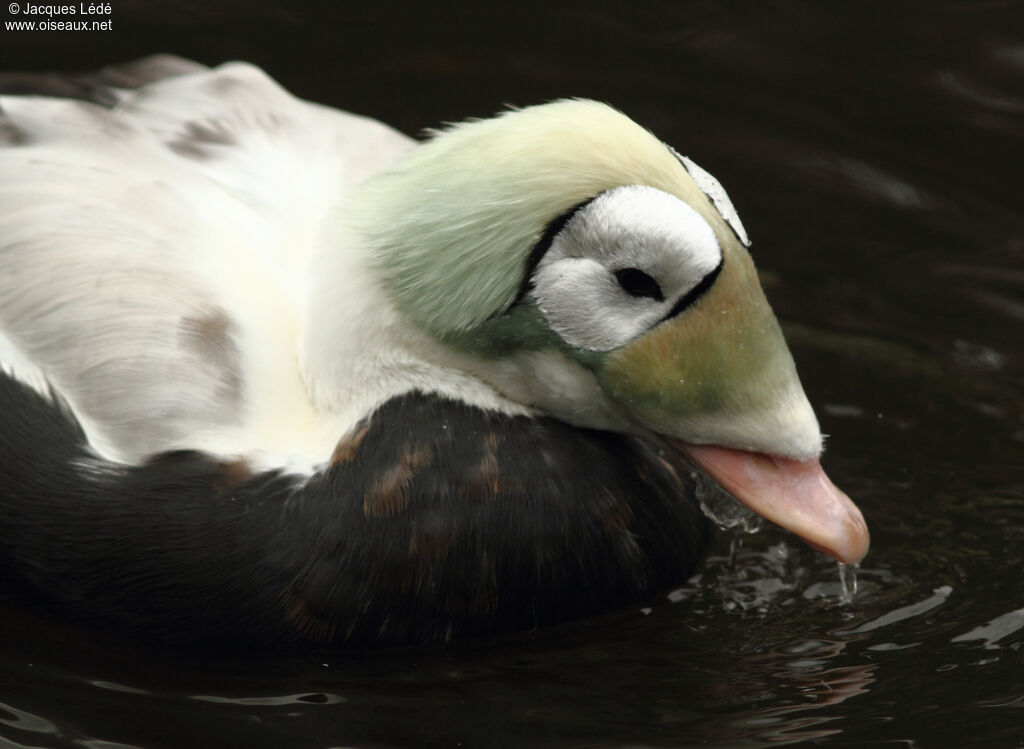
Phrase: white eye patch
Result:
[620,265]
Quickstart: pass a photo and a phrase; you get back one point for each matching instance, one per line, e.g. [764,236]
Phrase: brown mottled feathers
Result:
[98,86]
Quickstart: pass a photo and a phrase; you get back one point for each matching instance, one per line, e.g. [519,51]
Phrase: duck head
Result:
[582,268]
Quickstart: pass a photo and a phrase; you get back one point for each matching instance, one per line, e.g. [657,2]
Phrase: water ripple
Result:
[996,630]
[904,612]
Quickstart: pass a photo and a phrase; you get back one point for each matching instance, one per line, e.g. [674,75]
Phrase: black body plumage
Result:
[433,520]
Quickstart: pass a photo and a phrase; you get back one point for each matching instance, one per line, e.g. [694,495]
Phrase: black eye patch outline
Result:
[691,297]
[543,245]
[559,222]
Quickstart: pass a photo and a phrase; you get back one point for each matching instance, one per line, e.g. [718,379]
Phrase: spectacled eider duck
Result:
[277,374]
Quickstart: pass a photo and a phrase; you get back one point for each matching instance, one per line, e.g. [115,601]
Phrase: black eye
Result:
[637,283]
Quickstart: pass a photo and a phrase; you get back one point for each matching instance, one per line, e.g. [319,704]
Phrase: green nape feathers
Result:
[451,226]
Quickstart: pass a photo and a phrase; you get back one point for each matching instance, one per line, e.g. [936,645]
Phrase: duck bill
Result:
[794,494]
[719,380]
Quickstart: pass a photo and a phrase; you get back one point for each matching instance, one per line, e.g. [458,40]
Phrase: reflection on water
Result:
[998,629]
[820,688]
[875,155]
[19,720]
[903,612]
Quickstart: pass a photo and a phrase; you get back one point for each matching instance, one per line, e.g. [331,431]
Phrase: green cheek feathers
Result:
[523,328]
[725,355]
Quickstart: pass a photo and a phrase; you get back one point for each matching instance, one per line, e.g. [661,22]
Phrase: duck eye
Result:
[637,283]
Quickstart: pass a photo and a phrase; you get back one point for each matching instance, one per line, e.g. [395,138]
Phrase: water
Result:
[723,510]
[874,152]
[847,582]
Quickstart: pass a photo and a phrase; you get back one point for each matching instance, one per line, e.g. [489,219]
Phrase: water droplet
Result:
[847,582]
[722,508]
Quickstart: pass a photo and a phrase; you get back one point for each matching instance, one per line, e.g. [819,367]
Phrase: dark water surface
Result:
[875,151]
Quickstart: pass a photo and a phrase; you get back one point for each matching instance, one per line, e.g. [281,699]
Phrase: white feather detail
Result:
[14,363]
[711,187]
[154,258]
[357,351]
